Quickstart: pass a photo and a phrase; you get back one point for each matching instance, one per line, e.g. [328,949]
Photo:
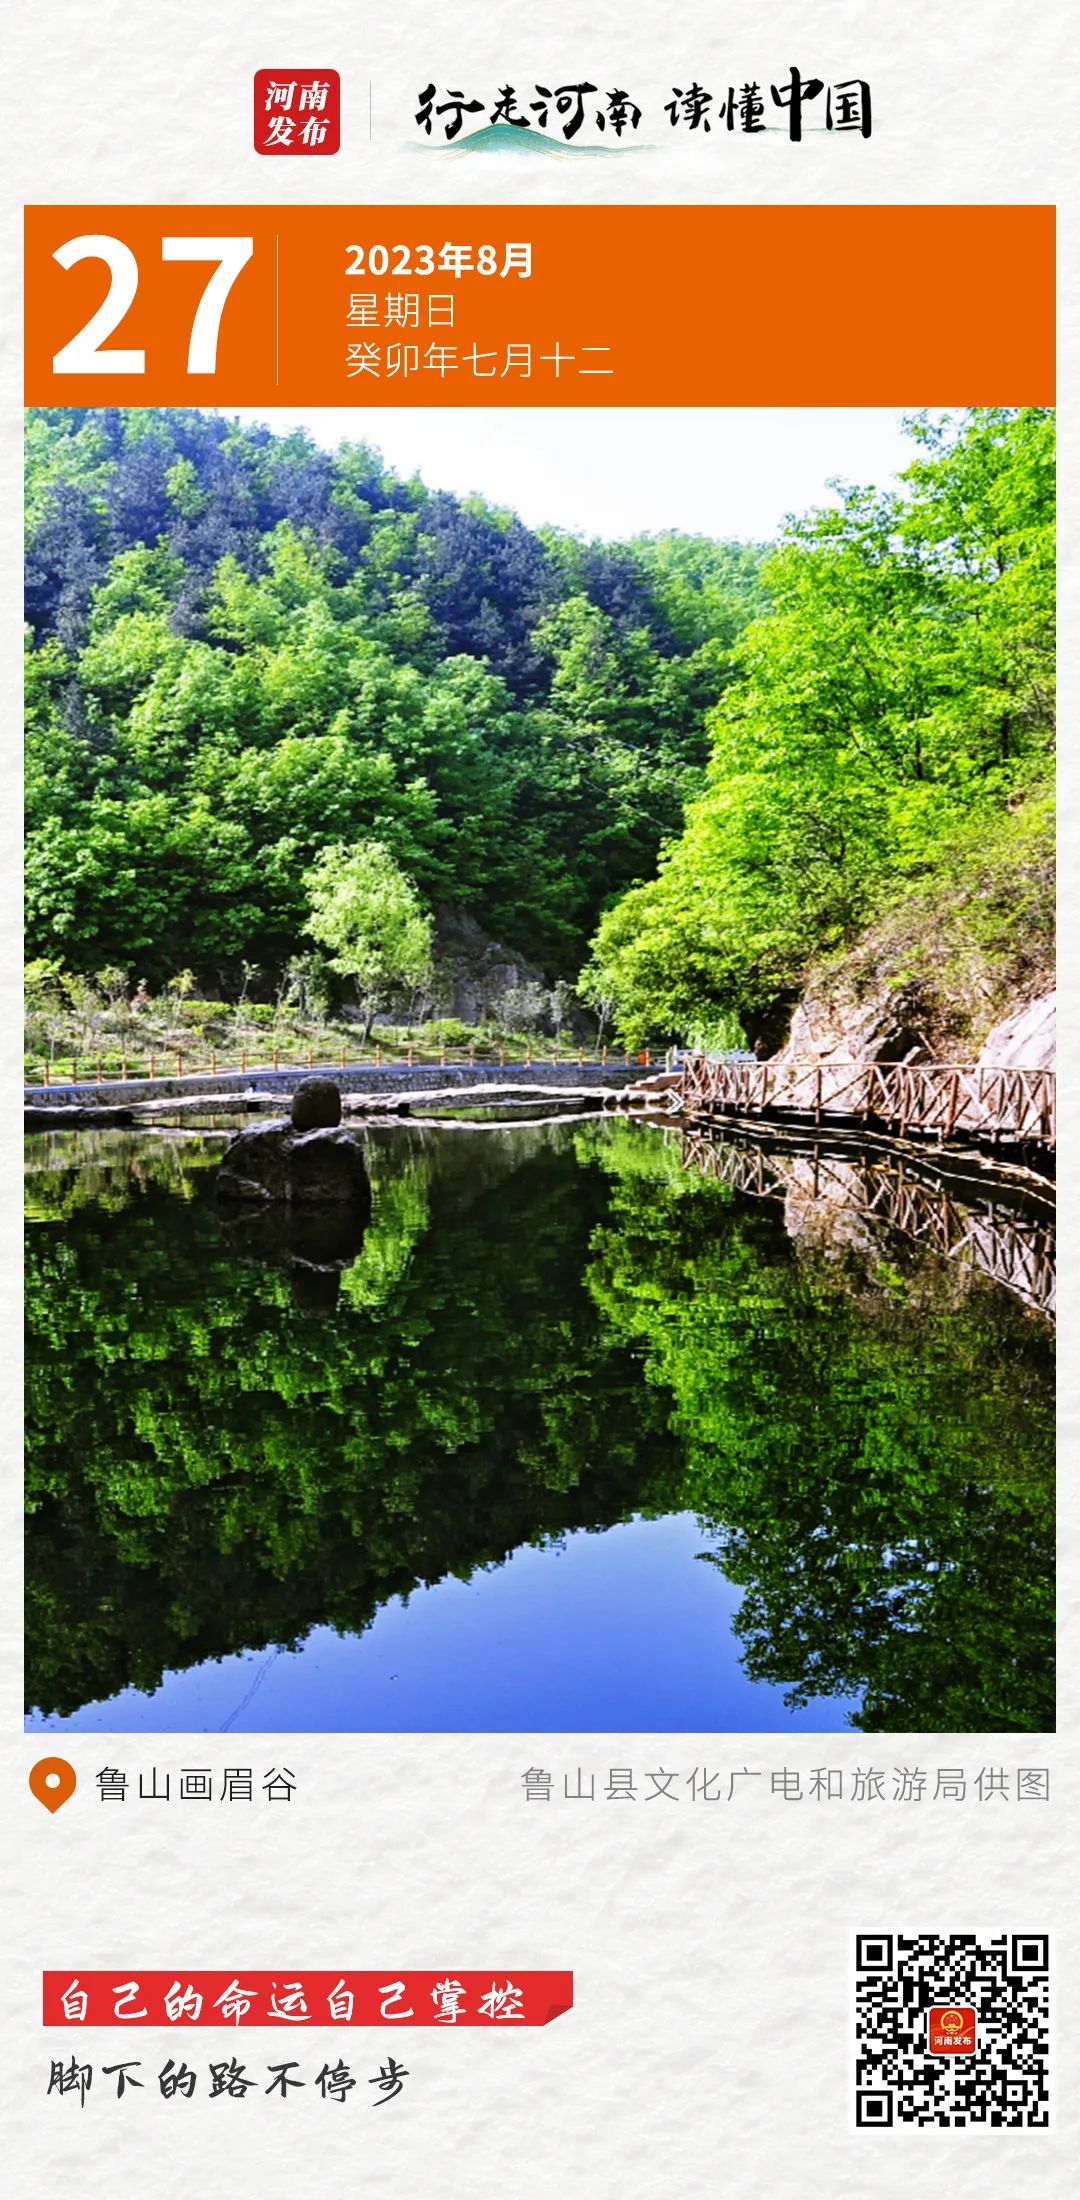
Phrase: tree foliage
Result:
[243,651]
[899,687]
[369,915]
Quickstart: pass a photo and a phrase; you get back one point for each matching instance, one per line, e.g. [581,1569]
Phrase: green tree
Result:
[900,684]
[371,919]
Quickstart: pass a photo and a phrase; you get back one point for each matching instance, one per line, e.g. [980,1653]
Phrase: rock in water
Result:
[254,1164]
[316,1105]
[272,1161]
[327,1166]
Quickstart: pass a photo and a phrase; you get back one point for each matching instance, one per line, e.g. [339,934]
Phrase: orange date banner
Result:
[392,305]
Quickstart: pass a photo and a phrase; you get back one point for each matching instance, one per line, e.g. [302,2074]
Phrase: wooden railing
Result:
[934,1099]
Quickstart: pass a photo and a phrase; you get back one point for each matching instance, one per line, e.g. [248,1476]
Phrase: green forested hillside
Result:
[674,770]
[881,765]
[244,650]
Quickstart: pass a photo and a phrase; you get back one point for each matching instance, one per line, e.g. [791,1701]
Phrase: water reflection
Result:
[840,1380]
[311,1245]
[848,1194]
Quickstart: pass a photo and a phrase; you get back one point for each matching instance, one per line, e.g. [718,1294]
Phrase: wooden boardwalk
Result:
[1011,1243]
[937,1100]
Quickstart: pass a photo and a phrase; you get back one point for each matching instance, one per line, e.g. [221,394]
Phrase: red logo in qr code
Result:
[951,2031]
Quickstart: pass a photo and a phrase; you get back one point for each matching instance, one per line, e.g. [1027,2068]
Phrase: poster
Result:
[542,1567]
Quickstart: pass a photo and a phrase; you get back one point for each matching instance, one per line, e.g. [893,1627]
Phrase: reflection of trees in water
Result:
[108,1170]
[209,1472]
[867,1446]
[871,1440]
[858,1194]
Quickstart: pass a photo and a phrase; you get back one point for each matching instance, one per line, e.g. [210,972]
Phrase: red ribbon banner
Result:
[294,2000]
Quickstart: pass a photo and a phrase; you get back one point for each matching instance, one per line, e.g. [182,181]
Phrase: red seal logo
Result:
[951,2030]
[297,111]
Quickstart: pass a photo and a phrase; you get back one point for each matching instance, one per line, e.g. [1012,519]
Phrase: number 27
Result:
[84,354]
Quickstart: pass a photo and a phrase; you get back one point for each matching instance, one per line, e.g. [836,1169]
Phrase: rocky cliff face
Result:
[835,1024]
[1025,1040]
[477,972]
[950,960]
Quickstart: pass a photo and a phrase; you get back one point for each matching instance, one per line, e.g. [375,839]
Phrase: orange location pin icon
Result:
[52,1780]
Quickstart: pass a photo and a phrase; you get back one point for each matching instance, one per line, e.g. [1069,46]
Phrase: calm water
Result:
[592,1430]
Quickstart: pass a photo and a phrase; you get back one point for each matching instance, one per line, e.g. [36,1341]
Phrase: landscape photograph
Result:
[540,1072]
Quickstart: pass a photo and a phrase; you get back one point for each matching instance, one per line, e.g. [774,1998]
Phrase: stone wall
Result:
[396,1077]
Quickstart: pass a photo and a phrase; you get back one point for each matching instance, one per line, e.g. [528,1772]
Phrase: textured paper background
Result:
[708,2049]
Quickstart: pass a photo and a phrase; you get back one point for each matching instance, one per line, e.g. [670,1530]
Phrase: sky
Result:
[728,472]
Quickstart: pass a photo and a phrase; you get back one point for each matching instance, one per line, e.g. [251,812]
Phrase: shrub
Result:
[449,1031]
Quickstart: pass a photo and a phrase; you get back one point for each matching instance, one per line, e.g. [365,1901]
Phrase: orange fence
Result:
[182,1062]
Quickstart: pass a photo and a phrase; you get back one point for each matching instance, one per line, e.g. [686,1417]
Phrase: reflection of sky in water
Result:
[625,1631]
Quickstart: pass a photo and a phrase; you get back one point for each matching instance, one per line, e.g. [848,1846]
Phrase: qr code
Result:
[952,2030]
